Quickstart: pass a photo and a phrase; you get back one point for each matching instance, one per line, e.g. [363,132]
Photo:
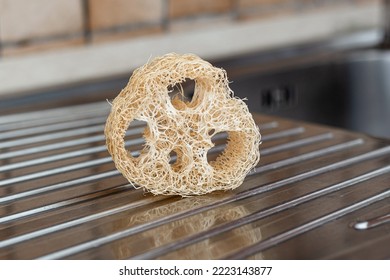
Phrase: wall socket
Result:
[277,97]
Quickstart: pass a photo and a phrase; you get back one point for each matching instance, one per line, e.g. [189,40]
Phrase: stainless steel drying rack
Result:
[317,193]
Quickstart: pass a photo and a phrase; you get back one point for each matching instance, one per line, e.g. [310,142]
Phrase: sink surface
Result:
[349,90]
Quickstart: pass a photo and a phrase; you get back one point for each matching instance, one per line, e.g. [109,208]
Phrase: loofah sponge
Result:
[183,128]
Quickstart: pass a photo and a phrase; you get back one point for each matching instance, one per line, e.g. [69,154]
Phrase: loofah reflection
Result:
[209,248]
[183,128]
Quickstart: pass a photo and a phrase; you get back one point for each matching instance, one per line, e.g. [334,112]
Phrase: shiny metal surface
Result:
[62,198]
[350,90]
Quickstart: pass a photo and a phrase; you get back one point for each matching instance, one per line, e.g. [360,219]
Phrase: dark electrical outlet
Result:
[277,97]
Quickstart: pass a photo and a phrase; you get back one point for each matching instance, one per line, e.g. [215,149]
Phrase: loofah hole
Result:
[176,160]
[172,157]
[220,141]
[211,132]
[135,144]
[182,94]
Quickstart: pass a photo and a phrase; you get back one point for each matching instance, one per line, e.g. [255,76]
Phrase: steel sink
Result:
[348,89]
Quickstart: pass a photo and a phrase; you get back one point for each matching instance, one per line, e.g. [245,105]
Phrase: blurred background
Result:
[28,27]
[301,59]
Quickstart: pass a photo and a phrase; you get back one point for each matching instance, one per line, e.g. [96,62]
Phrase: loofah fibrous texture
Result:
[183,128]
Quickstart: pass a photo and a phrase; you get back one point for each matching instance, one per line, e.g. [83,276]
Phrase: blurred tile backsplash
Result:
[39,25]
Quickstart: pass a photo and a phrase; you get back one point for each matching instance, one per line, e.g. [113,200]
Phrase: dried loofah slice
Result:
[183,128]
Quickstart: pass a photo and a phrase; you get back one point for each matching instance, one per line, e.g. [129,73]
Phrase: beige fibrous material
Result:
[183,128]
